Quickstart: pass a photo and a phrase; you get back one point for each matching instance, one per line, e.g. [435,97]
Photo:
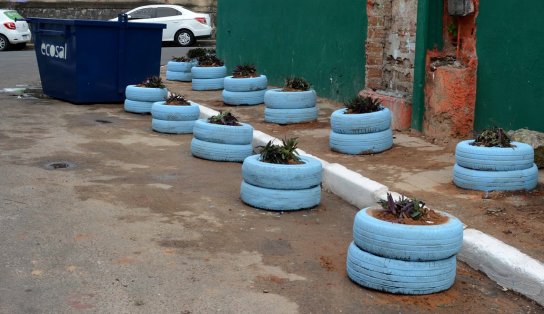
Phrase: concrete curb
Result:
[504,264]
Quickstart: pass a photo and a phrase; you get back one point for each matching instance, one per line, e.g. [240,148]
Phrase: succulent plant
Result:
[177,100]
[296,84]
[196,53]
[181,59]
[225,118]
[280,154]
[361,104]
[152,82]
[492,137]
[210,60]
[404,208]
[245,70]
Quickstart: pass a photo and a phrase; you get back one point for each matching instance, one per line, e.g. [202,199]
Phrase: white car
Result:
[183,27]
[14,30]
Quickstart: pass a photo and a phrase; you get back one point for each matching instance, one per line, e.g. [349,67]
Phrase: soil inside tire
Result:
[432,218]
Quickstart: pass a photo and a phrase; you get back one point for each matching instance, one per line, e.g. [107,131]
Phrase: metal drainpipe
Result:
[422,42]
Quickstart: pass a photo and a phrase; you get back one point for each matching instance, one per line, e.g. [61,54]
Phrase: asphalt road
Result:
[135,224]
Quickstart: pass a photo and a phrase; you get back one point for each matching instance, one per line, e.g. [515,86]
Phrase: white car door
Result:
[172,18]
[145,15]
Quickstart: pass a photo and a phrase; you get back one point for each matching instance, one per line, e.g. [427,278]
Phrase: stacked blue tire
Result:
[280,187]
[208,78]
[364,133]
[141,99]
[179,71]
[495,168]
[174,119]
[222,142]
[244,91]
[403,259]
[287,107]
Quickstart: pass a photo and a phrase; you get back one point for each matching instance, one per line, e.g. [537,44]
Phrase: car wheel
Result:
[4,43]
[184,38]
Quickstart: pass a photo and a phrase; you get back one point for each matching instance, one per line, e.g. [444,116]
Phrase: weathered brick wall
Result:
[390,47]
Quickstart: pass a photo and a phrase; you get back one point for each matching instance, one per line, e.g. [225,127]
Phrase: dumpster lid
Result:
[95,23]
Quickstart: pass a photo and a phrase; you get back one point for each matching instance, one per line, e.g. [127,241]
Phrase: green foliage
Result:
[281,154]
[181,59]
[210,60]
[225,118]
[295,83]
[245,70]
[195,53]
[360,104]
[177,100]
[404,207]
[152,82]
[493,137]
[452,29]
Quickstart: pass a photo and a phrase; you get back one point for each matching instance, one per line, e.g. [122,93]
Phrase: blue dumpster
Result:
[88,61]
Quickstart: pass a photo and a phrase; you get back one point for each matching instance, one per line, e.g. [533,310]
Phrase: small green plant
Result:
[281,154]
[245,70]
[210,60]
[404,208]
[152,82]
[452,29]
[177,100]
[492,137]
[195,53]
[296,84]
[225,118]
[181,59]
[361,104]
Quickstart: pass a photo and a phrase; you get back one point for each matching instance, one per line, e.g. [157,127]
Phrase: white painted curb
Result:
[504,264]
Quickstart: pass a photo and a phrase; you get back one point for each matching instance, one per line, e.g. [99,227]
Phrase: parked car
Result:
[14,32]
[183,27]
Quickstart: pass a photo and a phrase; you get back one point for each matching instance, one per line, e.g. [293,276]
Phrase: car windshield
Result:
[13,15]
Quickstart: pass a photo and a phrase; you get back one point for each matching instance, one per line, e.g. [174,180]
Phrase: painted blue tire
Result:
[399,277]
[288,116]
[494,158]
[179,76]
[360,123]
[407,242]
[282,177]
[243,98]
[246,84]
[207,84]
[172,127]
[223,134]
[278,99]
[174,66]
[136,93]
[513,180]
[220,152]
[137,106]
[356,144]
[161,111]
[279,200]
[209,72]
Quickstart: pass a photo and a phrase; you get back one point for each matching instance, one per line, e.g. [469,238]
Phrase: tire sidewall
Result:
[224,134]
[279,99]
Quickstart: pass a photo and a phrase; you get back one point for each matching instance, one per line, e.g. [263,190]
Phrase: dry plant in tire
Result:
[492,137]
[210,60]
[224,118]
[245,71]
[296,84]
[176,100]
[361,104]
[407,211]
[152,82]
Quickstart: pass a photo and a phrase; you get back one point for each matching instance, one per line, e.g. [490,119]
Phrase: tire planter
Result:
[281,187]
[399,277]
[495,168]
[513,180]
[279,200]
[174,119]
[179,71]
[278,99]
[244,91]
[222,142]
[366,143]
[141,99]
[519,157]
[407,242]
[290,107]
[364,133]
[208,78]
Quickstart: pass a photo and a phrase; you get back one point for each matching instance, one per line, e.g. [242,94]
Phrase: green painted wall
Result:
[510,45]
[321,40]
